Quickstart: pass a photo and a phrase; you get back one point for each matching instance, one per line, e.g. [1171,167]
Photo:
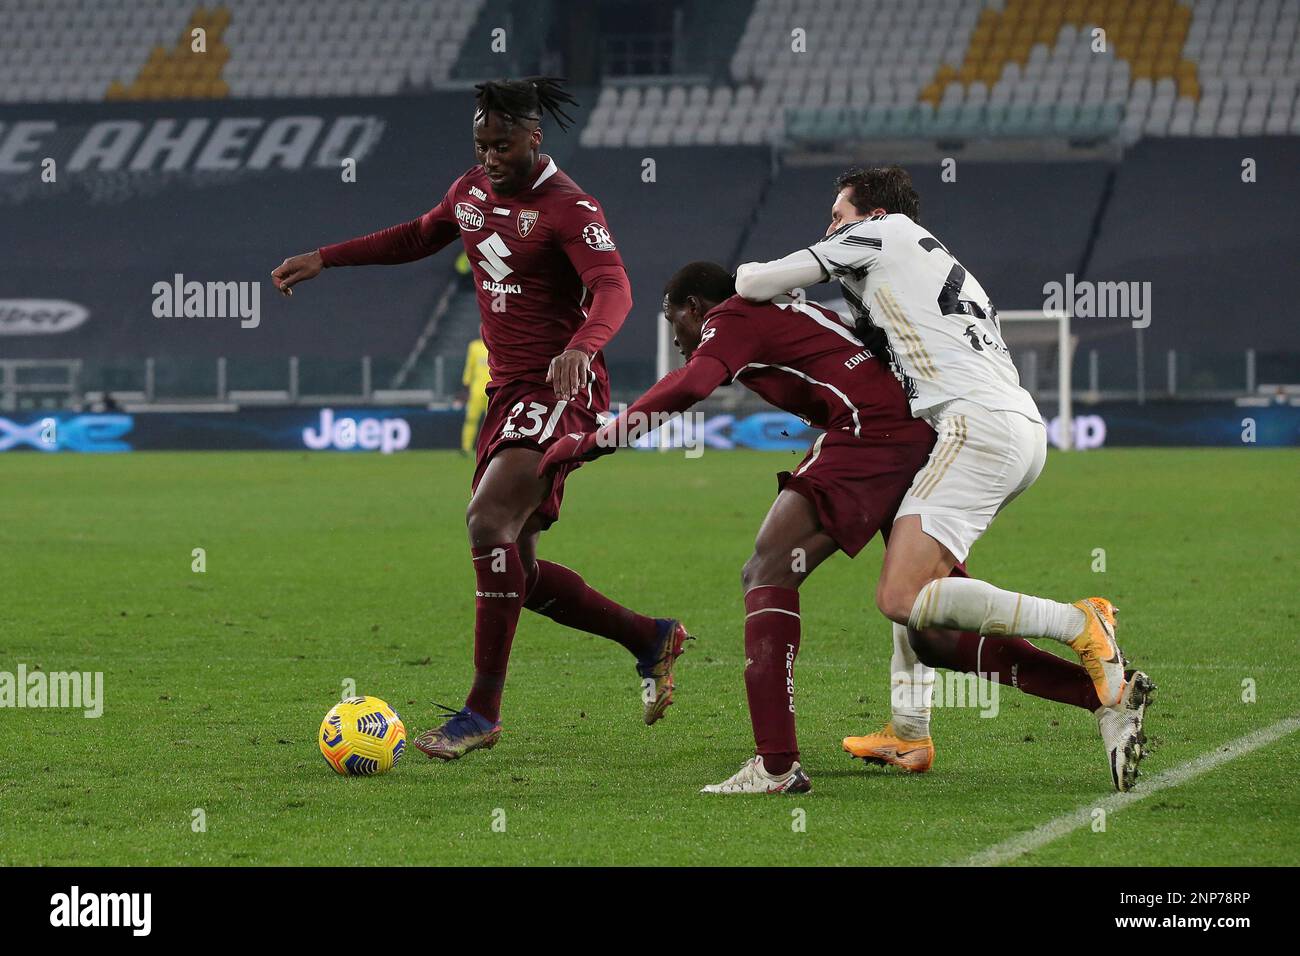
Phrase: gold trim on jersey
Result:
[942,459]
[906,334]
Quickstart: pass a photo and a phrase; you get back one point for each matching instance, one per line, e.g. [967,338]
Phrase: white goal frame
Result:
[1065,346]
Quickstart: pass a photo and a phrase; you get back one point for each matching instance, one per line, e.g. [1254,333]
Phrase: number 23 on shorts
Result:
[537,423]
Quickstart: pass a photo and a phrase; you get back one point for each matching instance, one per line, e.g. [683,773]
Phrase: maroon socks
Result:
[561,594]
[771,645]
[1011,661]
[498,598]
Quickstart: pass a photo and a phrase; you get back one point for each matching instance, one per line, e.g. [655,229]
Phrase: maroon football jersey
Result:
[528,253]
[531,254]
[801,358]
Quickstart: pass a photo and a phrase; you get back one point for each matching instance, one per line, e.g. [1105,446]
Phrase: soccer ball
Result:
[362,736]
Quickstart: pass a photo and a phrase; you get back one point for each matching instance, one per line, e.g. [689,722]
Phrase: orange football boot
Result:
[886,747]
[1098,651]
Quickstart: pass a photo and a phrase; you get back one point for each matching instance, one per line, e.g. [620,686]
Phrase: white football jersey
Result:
[944,338]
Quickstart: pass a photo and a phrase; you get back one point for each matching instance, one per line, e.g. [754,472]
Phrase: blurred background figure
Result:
[475,378]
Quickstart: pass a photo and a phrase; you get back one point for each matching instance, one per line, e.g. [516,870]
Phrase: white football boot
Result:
[1121,730]
[753,777]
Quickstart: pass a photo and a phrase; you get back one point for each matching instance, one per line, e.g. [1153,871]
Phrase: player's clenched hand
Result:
[570,449]
[569,373]
[296,269]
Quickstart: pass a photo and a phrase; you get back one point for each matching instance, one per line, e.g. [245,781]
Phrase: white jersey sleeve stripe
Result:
[853,409]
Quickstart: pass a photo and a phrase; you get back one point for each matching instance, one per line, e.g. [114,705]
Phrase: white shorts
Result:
[981,460]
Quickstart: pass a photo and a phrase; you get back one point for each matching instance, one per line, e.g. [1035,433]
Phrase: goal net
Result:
[1043,350]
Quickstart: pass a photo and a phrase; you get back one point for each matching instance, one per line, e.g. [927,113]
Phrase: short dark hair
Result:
[880,187]
[521,100]
[707,281]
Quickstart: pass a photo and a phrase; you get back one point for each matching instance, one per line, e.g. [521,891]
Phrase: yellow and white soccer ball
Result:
[362,736]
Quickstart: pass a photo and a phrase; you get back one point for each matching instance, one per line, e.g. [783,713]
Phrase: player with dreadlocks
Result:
[552,291]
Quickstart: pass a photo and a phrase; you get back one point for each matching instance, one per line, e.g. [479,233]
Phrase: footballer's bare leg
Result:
[506,497]
[943,607]
[505,509]
[503,528]
[790,545]
[915,590]
[561,594]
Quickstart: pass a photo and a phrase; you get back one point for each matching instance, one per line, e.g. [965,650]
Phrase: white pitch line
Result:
[1052,830]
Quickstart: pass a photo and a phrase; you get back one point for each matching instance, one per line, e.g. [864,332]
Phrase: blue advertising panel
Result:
[396,429]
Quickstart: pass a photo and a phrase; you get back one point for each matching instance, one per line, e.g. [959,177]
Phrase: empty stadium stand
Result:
[812,69]
[826,69]
[77,50]
[239,166]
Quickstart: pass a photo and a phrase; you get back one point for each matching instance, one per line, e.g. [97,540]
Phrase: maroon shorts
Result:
[528,415]
[856,486]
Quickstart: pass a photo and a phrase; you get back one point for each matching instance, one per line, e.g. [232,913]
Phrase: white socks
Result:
[911,689]
[965,604]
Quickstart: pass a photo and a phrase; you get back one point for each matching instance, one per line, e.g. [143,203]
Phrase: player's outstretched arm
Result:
[763,281]
[404,242]
[675,392]
[296,269]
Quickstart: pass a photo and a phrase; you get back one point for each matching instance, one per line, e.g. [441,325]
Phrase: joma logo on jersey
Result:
[478,194]
[527,219]
[470,217]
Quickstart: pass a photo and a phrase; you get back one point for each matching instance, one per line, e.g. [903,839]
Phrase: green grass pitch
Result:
[322,568]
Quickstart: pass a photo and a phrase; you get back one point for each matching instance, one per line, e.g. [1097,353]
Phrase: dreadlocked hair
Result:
[525,99]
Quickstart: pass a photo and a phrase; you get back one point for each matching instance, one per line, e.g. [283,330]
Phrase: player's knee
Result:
[895,599]
[488,522]
[761,571]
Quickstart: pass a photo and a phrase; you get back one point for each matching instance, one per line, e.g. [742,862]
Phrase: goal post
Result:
[1026,331]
